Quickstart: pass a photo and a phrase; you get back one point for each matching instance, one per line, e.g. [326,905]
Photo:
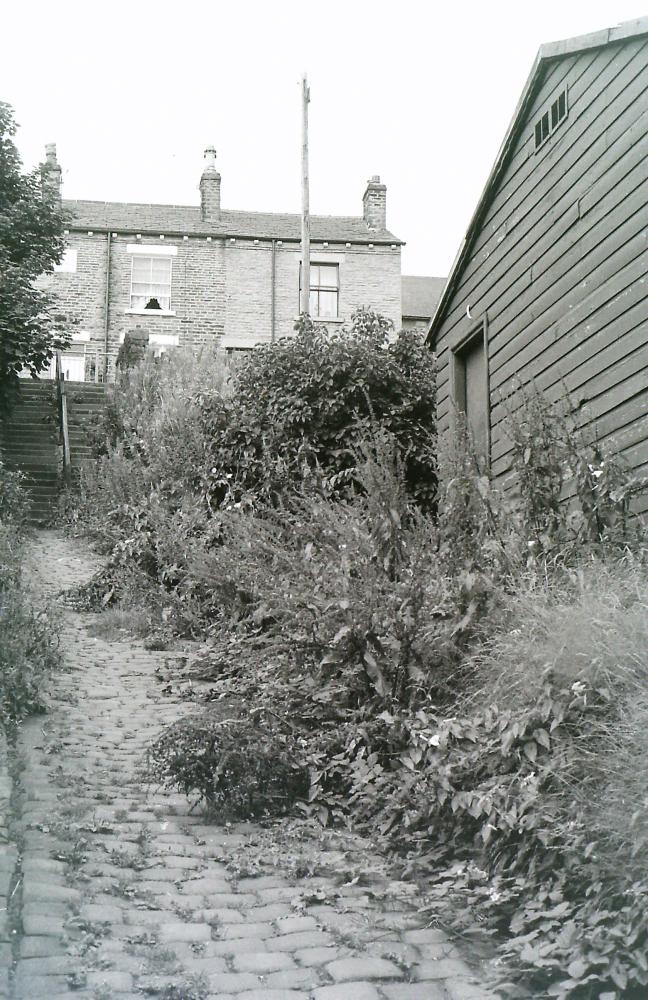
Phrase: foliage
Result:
[28,647]
[178,448]
[571,492]
[469,688]
[304,402]
[237,768]
[150,484]
[533,788]
[31,242]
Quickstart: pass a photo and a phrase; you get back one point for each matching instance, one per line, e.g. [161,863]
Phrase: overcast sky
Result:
[132,92]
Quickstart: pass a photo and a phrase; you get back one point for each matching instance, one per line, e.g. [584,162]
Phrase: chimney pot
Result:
[210,158]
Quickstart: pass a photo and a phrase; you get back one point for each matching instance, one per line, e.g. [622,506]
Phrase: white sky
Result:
[132,92]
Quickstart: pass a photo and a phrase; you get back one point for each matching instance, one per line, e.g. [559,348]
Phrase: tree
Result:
[31,243]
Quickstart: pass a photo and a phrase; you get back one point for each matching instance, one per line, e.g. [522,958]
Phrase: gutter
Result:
[244,237]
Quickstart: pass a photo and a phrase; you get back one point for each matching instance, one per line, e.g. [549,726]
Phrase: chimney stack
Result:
[374,204]
[51,173]
[210,188]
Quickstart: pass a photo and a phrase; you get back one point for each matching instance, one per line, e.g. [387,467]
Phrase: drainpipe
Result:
[107,305]
[273,291]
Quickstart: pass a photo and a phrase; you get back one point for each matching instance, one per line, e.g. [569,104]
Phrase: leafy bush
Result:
[31,243]
[179,449]
[351,592]
[237,769]
[304,402]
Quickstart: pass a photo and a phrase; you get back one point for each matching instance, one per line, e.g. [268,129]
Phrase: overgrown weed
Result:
[470,688]
[28,636]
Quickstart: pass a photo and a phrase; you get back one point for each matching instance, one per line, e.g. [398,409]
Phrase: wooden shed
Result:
[550,284]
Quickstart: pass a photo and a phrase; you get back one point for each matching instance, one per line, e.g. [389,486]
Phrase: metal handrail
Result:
[61,397]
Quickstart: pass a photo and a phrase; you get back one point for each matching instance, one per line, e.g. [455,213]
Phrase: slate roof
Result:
[549,52]
[187,220]
[420,295]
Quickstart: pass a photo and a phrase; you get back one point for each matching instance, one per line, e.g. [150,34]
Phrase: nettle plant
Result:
[571,490]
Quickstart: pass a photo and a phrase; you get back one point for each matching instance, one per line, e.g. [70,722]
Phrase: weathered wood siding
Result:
[560,262]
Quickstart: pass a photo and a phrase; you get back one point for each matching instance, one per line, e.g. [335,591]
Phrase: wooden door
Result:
[476,396]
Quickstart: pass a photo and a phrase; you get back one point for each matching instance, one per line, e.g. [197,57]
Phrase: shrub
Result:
[178,451]
[303,403]
[237,768]
[352,592]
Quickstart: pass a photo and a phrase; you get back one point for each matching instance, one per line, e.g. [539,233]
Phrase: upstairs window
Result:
[150,283]
[68,260]
[550,119]
[324,291]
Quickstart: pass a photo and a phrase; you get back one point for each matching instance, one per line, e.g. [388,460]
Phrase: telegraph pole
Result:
[304,306]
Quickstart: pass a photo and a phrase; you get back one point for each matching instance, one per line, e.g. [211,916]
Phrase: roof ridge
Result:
[224,211]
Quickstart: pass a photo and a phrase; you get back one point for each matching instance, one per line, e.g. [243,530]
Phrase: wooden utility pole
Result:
[304,305]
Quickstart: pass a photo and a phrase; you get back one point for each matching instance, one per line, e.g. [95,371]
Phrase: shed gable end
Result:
[558,260]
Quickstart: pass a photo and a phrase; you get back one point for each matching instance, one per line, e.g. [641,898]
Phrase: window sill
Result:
[149,312]
[320,319]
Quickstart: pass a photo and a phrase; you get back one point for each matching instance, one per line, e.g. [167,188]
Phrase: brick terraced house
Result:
[174,275]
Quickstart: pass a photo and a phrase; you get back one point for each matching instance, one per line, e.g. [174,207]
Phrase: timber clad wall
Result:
[559,261]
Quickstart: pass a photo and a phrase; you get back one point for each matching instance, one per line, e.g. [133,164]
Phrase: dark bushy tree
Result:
[305,402]
[31,242]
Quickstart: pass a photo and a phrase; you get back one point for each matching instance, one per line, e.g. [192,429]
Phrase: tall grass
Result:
[28,641]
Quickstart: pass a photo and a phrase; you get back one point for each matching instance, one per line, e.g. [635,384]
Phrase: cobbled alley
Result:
[113,889]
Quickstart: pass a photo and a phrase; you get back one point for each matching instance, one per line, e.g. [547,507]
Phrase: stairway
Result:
[29,442]
[85,403]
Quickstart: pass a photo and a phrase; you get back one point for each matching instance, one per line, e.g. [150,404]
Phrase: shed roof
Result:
[549,52]
[420,295]
[187,219]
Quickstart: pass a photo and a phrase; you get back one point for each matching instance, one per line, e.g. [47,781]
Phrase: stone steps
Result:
[29,441]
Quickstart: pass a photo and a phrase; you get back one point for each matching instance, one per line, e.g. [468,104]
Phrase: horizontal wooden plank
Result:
[628,198]
[609,418]
[565,324]
[577,323]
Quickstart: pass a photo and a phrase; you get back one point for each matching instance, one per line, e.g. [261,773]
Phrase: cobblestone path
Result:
[116,890]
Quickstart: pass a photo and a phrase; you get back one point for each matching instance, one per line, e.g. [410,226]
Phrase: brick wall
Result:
[221,289]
